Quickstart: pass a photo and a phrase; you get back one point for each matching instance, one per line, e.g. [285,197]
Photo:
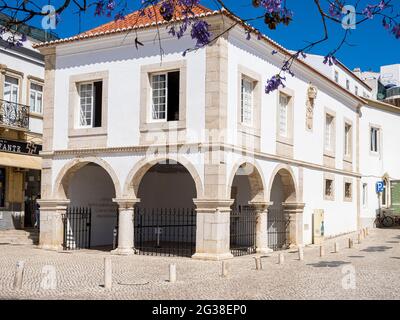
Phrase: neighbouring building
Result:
[385,83]
[187,155]
[21,117]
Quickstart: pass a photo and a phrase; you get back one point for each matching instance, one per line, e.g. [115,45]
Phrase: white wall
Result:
[92,187]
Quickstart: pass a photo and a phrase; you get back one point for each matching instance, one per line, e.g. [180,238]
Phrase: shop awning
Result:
[20,161]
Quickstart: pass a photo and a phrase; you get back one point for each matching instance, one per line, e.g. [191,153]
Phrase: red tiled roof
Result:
[151,15]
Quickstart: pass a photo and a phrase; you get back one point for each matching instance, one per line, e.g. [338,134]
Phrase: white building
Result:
[123,130]
[21,117]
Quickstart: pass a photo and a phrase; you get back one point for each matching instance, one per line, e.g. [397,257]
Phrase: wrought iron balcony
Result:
[14,115]
[393,93]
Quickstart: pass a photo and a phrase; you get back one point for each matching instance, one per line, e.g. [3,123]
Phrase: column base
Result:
[264,250]
[212,256]
[50,247]
[123,251]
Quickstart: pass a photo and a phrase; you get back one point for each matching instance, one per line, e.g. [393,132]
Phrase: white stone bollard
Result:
[359,238]
[366,231]
[107,273]
[258,263]
[172,273]
[301,253]
[281,258]
[336,247]
[350,243]
[225,269]
[321,251]
[19,275]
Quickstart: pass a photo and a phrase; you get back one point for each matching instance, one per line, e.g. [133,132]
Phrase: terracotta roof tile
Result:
[135,19]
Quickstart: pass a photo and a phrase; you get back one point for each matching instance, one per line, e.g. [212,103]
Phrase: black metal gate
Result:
[243,222]
[167,232]
[77,228]
[278,229]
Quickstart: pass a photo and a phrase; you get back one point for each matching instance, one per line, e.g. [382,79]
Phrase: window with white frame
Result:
[90,104]
[374,137]
[36,98]
[356,90]
[329,132]
[336,76]
[165,96]
[365,194]
[247,87]
[11,89]
[348,188]
[283,114]
[347,84]
[329,189]
[347,139]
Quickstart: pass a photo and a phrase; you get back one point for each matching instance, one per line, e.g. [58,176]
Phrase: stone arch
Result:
[288,180]
[255,176]
[132,183]
[64,177]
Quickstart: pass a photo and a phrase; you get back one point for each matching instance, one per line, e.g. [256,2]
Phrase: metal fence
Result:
[77,228]
[278,229]
[165,231]
[243,222]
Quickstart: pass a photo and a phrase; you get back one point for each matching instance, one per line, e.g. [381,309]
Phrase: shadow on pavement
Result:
[377,249]
[329,264]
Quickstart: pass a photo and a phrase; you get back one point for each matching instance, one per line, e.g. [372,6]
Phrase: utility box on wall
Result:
[318,226]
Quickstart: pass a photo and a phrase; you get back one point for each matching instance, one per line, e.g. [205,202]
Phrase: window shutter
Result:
[395,195]
[98,97]
[173,96]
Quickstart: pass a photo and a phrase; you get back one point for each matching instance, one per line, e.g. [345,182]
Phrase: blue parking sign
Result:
[380,186]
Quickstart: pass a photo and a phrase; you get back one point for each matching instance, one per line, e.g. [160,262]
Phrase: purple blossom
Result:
[200,32]
[274,83]
[335,10]
[330,59]
[167,9]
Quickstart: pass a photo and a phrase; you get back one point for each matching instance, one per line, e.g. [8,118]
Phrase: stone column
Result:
[212,229]
[262,226]
[125,226]
[295,212]
[51,235]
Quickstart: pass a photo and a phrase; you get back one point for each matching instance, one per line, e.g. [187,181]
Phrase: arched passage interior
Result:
[282,190]
[165,217]
[92,215]
[246,187]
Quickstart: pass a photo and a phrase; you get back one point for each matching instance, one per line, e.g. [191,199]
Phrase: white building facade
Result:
[127,133]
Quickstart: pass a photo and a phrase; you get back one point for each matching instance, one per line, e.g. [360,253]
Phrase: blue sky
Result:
[370,45]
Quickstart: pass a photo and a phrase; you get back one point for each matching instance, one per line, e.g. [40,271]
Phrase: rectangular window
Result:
[374,139]
[2,187]
[329,134]
[348,190]
[11,89]
[356,90]
[365,194]
[347,139]
[283,115]
[165,96]
[90,96]
[247,101]
[347,84]
[36,98]
[328,188]
[336,77]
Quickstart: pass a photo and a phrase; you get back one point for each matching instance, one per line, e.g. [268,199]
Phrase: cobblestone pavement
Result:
[79,275]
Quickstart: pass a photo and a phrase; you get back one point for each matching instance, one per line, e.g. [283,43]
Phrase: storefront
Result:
[20,167]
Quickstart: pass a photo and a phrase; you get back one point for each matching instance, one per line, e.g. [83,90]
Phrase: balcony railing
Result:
[392,92]
[14,115]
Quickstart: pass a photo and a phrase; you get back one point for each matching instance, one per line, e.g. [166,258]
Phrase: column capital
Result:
[51,204]
[293,207]
[216,204]
[261,205]
[126,203]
